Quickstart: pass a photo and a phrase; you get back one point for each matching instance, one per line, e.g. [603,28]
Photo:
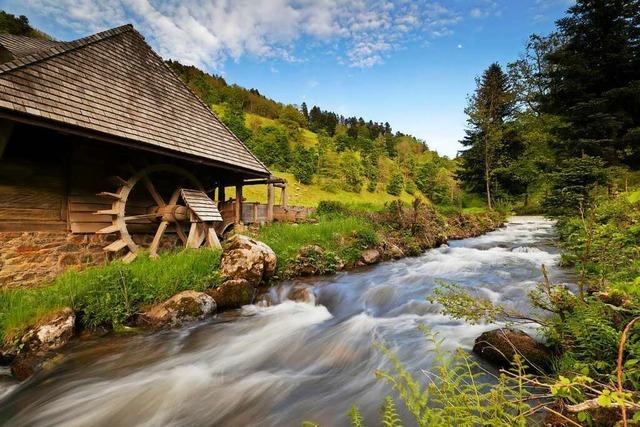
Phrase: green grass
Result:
[108,295]
[341,235]
[634,197]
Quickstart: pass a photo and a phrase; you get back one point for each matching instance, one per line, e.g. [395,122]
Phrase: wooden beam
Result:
[238,205]
[212,237]
[285,196]
[270,202]
[6,127]
[221,195]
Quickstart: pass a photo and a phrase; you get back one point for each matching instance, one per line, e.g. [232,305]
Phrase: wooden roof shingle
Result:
[112,83]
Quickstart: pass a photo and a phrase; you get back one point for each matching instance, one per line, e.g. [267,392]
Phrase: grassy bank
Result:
[113,294]
[109,295]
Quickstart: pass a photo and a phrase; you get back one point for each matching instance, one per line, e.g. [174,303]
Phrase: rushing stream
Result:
[280,365]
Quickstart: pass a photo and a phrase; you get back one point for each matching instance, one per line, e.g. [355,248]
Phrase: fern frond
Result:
[356,417]
[390,417]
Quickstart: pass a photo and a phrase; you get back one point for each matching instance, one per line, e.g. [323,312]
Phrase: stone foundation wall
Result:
[32,258]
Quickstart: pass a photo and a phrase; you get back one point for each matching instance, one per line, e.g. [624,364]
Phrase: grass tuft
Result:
[109,295]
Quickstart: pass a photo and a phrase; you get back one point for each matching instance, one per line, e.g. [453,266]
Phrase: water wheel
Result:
[177,204]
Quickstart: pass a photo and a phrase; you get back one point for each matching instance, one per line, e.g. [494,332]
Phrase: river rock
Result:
[371,256]
[247,259]
[181,308]
[302,294]
[38,343]
[233,294]
[393,251]
[499,347]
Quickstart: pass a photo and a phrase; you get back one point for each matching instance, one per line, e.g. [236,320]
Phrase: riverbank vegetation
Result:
[111,296]
[108,295]
[557,131]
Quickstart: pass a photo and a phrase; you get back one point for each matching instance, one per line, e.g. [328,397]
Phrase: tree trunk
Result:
[486,171]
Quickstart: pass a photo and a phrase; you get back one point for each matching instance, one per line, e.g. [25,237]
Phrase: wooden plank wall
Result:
[32,195]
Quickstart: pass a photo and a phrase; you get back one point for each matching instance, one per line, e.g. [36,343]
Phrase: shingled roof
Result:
[114,85]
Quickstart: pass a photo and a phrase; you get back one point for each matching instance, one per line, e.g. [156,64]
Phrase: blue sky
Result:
[411,63]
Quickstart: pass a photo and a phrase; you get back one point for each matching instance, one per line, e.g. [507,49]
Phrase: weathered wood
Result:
[113,228]
[238,204]
[212,237]
[6,128]
[128,258]
[221,194]
[16,226]
[270,202]
[116,246]
[285,196]
[109,195]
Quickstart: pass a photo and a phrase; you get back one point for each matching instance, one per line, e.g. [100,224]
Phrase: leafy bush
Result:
[352,173]
[332,207]
[304,164]
[367,238]
[396,184]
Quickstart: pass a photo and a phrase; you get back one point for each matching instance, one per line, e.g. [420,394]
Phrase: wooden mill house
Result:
[104,151]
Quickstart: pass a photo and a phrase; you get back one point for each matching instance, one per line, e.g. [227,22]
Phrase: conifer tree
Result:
[489,109]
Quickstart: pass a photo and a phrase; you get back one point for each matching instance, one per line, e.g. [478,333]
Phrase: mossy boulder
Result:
[244,258]
[233,294]
[500,346]
[39,342]
[181,308]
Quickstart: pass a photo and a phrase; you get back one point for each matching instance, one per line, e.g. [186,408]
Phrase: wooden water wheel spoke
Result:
[171,216]
[181,234]
[152,190]
[148,216]
[155,244]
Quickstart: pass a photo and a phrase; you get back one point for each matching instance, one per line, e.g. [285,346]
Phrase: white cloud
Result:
[209,32]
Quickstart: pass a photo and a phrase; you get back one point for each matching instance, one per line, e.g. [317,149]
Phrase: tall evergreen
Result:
[595,81]
[489,109]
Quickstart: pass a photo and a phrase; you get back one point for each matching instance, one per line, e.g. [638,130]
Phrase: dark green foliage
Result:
[305,162]
[233,118]
[595,81]
[19,26]
[396,184]
[571,185]
[271,145]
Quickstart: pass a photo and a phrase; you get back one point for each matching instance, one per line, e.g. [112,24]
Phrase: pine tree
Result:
[305,111]
[489,108]
[595,81]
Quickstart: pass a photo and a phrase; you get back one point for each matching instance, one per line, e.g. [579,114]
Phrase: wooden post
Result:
[5,133]
[285,197]
[238,204]
[255,213]
[221,195]
[270,201]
